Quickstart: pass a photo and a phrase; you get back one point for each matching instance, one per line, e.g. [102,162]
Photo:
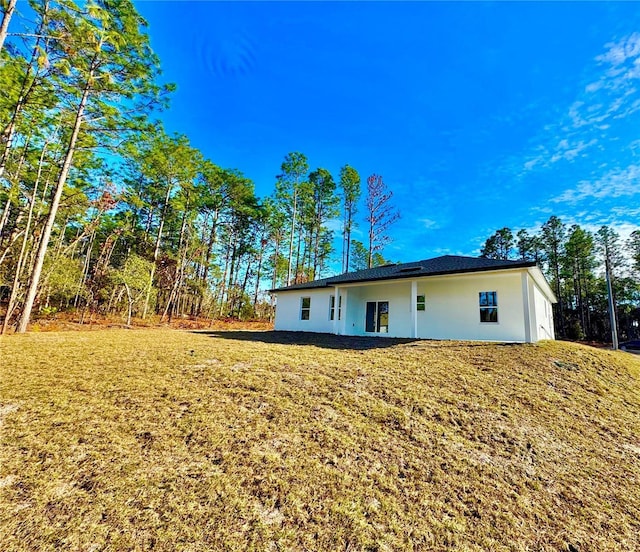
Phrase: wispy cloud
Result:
[429,224]
[444,251]
[335,225]
[567,151]
[618,53]
[589,120]
[626,212]
[615,183]
[613,95]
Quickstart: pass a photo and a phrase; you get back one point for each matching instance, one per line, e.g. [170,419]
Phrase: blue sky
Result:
[477,115]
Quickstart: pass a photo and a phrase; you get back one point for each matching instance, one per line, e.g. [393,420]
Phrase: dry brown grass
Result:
[74,321]
[168,440]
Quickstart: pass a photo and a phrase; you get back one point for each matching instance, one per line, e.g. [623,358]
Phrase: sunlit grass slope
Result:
[168,440]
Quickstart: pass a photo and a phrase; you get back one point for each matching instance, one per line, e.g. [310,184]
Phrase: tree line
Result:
[103,211]
[576,262]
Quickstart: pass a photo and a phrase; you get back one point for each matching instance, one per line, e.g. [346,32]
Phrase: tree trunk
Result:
[559,297]
[156,250]
[348,216]
[130,304]
[223,282]
[46,235]
[274,279]
[5,216]
[16,277]
[85,269]
[297,270]
[16,176]
[15,235]
[293,227]
[232,274]
[346,264]
[25,89]
[263,243]
[245,282]
[6,17]
[316,250]
[210,244]
[177,277]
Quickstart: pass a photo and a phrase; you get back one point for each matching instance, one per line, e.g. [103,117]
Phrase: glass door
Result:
[370,321]
[377,317]
[383,316]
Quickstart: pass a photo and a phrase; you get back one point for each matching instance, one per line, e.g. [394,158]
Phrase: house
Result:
[449,297]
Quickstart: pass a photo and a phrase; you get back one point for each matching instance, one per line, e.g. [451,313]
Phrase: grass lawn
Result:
[173,440]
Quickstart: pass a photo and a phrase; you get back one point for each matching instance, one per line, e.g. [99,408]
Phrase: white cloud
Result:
[531,163]
[620,67]
[619,52]
[593,87]
[615,183]
[438,251]
[626,212]
[572,153]
[623,229]
[429,224]
[612,96]
[335,225]
[565,150]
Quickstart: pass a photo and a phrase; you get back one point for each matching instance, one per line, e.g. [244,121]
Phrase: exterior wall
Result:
[452,308]
[288,311]
[398,295]
[453,312]
[544,316]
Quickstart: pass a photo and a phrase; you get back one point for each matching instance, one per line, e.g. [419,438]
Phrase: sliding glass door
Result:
[377,317]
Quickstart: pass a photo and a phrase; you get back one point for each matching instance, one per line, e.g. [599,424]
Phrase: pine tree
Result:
[294,173]
[109,81]
[350,186]
[380,215]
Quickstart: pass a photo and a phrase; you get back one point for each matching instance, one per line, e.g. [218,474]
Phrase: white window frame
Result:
[304,309]
[332,307]
[491,304]
[422,302]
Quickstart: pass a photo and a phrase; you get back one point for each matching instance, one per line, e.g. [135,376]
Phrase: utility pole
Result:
[612,309]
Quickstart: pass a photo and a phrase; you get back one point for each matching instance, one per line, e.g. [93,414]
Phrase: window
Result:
[421,303]
[332,307]
[488,306]
[305,308]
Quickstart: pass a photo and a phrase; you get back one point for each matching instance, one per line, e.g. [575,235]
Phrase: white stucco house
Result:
[449,297]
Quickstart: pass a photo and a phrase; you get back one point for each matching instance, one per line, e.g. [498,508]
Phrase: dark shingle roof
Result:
[447,264]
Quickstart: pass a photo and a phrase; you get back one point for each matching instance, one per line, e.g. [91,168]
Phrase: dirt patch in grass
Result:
[165,440]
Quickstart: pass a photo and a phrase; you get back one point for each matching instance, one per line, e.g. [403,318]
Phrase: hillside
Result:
[169,440]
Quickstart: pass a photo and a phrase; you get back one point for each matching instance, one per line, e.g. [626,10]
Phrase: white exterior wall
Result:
[288,311]
[453,310]
[544,315]
[398,295]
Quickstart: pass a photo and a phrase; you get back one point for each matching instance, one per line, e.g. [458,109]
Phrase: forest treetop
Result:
[102,211]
